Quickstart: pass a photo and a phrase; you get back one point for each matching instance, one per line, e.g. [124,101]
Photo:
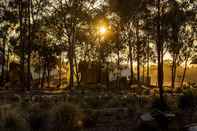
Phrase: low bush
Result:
[90,118]
[12,120]
[157,105]
[66,117]
[147,127]
[37,118]
[114,102]
[186,100]
[125,101]
[95,102]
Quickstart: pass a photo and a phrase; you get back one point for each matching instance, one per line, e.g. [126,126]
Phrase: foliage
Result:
[66,116]
[37,117]
[158,106]
[187,100]
[90,118]
[12,120]
[95,102]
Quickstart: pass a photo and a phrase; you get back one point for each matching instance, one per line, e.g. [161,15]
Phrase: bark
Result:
[71,56]
[3,64]
[7,66]
[184,73]
[60,72]
[48,72]
[159,53]
[100,61]
[71,83]
[138,53]
[173,71]
[131,62]
[118,63]
[22,43]
[39,70]
[77,71]
[143,76]
[29,48]
[172,74]
[7,61]
[43,75]
[148,64]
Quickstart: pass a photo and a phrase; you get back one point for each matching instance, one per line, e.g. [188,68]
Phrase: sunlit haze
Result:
[102,30]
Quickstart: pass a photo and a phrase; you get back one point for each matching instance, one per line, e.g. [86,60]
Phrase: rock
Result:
[194,128]
[147,117]
[191,127]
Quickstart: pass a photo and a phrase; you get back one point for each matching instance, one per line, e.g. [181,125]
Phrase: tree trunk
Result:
[71,57]
[60,72]
[184,73]
[138,53]
[143,76]
[172,74]
[3,64]
[100,63]
[173,71]
[118,64]
[22,43]
[148,65]
[29,48]
[71,83]
[7,65]
[48,73]
[159,54]
[39,70]
[131,61]
[43,76]
[77,71]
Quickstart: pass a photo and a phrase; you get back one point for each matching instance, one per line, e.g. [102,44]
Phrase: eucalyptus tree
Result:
[8,22]
[128,35]
[68,16]
[3,53]
[188,51]
[130,12]
[162,31]
[155,29]
[118,43]
[175,19]
[35,13]
[19,13]
[29,12]
[159,46]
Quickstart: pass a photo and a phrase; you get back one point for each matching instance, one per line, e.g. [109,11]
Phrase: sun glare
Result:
[102,30]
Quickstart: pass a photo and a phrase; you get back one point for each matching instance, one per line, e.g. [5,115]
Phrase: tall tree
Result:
[130,11]
[175,19]
[68,17]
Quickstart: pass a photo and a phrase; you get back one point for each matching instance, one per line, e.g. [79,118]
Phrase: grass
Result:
[77,111]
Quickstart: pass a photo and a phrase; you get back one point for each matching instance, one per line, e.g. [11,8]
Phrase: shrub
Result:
[168,90]
[146,92]
[147,127]
[178,90]
[91,118]
[12,120]
[95,102]
[37,117]
[186,100]
[66,117]
[114,102]
[127,101]
[157,105]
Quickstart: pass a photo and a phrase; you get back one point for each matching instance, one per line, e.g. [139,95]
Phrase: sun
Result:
[102,30]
